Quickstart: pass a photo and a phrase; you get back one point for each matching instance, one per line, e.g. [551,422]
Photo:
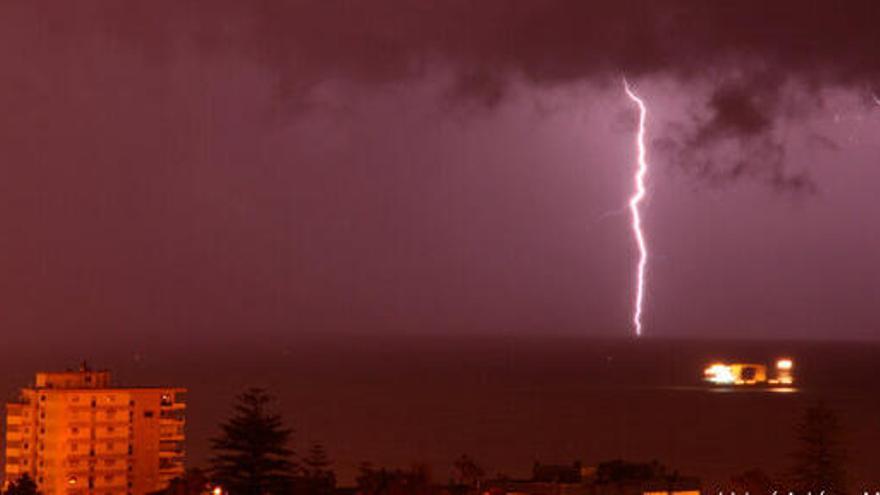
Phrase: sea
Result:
[511,401]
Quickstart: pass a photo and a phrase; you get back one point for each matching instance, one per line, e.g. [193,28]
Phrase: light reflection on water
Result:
[748,390]
[735,390]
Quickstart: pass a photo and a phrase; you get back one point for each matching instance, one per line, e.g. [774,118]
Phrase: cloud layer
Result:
[749,51]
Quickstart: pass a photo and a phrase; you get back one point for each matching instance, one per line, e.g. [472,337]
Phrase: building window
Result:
[148,414]
[177,414]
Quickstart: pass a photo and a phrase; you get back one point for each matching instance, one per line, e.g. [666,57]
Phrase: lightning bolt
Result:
[634,201]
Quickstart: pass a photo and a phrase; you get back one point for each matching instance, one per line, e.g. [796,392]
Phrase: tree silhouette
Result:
[251,454]
[469,472]
[819,459]
[193,482]
[22,486]
[318,478]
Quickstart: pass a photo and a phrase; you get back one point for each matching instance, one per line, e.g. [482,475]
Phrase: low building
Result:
[609,478]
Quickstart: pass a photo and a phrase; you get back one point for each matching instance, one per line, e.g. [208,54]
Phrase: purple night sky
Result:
[247,170]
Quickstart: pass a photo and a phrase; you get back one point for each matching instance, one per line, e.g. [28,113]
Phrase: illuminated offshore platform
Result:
[749,374]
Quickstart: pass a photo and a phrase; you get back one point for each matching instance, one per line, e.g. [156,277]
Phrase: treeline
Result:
[252,456]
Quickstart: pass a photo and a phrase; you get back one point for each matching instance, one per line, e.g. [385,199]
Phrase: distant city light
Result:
[749,373]
[720,374]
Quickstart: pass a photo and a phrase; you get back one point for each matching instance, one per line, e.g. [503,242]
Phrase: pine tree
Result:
[319,478]
[251,454]
[819,460]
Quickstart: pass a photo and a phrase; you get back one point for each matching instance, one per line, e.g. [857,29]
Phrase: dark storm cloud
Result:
[735,137]
[749,50]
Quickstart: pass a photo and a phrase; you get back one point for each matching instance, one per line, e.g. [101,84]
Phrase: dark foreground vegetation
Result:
[253,455]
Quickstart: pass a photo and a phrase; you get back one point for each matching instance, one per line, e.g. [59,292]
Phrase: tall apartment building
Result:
[75,434]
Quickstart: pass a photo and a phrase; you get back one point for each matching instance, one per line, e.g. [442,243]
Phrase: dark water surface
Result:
[511,401]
